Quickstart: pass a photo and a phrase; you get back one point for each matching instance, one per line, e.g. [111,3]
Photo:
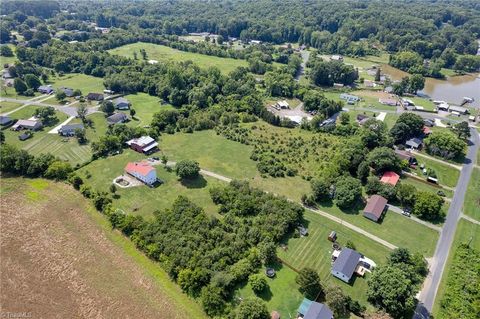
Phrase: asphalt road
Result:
[430,287]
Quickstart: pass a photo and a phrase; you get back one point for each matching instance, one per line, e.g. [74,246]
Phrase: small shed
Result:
[332,236]
[25,136]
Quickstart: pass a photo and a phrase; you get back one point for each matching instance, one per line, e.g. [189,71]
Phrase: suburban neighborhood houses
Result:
[240,159]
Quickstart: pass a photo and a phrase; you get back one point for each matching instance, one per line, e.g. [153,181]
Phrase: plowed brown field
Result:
[60,259]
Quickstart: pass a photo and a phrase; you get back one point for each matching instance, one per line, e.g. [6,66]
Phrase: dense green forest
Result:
[427,29]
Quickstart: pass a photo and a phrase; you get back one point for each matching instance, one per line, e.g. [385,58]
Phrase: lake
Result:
[451,89]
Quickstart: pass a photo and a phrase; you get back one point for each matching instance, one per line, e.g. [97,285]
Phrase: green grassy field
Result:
[396,229]
[315,251]
[282,294]
[426,187]
[446,175]
[11,93]
[85,83]
[471,205]
[164,53]
[9,59]
[426,104]
[466,232]
[143,200]
[145,106]
[212,151]
[8,106]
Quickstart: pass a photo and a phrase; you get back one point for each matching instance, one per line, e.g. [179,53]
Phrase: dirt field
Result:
[59,259]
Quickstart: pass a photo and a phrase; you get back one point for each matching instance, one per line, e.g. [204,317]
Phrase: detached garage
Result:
[375,207]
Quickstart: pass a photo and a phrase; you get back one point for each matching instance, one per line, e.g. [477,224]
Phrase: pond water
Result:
[451,90]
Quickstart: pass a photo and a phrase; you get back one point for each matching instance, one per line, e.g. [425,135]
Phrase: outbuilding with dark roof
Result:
[345,264]
[375,207]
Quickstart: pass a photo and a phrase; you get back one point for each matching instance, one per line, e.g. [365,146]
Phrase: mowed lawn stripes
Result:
[65,149]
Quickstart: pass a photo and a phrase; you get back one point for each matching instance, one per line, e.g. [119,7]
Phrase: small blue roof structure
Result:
[304,306]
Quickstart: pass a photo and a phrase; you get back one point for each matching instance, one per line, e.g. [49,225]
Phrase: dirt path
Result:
[58,262]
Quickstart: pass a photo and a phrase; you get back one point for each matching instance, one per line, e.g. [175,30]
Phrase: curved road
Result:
[430,286]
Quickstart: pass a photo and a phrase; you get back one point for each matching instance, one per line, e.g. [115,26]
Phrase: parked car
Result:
[407,211]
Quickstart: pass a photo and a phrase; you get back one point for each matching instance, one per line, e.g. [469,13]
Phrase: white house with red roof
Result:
[142,171]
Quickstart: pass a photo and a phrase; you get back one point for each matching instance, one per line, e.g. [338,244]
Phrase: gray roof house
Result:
[69,129]
[117,118]
[5,120]
[318,311]
[95,96]
[45,89]
[345,264]
[414,143]
[313,310]
[68,92]
[121,104]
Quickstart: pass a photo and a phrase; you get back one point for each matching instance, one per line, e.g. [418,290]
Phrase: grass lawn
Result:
[425,103]
[143,200]
[282,294]
[466,232]
[315,251]
[212,151]
[164,53]
[11,93]
[446,175]
[396,229]
[9,59]
[290,187]
[145,106]
[85,83]
[8,106]
[390,119]
[426,187]
[471,205]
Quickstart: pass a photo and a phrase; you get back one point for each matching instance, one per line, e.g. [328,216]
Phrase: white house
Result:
[346,263]
[142,171]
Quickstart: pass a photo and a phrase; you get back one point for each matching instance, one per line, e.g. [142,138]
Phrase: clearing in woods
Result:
[164,53]
[76,266]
